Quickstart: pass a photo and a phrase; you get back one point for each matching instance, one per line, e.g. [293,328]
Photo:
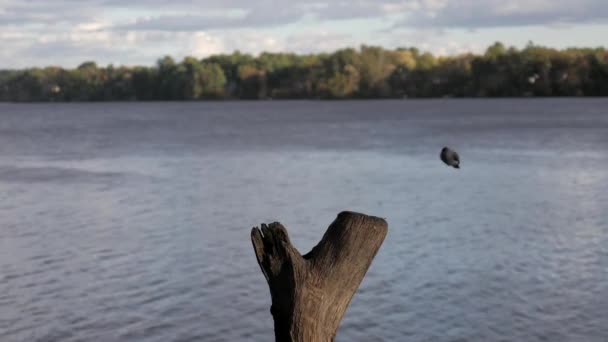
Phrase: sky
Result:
[138,32]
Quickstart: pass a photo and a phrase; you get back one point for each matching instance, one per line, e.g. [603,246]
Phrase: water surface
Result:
[130,222]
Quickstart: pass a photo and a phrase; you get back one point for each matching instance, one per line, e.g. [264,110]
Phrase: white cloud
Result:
[252,41]
[197,15]
[455,48]
[203,45]
[319,41]
[42,32]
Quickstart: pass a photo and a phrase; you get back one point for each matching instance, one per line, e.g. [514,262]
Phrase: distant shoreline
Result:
[365,73]
[234,101]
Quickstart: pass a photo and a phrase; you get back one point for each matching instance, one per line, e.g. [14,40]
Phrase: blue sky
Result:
[123,32]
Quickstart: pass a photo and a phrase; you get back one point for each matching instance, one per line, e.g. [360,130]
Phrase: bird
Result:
[450,157]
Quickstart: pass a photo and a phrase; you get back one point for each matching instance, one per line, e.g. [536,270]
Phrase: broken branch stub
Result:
[310,293]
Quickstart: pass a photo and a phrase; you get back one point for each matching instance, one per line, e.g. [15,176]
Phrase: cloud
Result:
[77,51]
[319,41]
[177,23]
[347,10]
[198,15]
[473,14]
[203,44]
[42,32]
[43,13]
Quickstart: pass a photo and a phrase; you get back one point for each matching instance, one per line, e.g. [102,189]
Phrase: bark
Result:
[310,293]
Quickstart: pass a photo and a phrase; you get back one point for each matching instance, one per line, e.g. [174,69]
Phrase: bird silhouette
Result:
[450,157]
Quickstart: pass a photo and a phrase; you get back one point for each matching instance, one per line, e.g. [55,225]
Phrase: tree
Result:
[213,80]
[191,78]
[168,79]
[495,51]
[310,293]
[403,59]
[367,72]
[252,81]
[344,84]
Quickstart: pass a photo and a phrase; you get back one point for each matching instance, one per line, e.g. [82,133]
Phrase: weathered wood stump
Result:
[310,293]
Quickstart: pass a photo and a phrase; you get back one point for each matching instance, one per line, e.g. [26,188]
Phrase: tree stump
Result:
[310,293]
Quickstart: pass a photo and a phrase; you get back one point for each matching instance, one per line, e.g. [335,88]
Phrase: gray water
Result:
[130,222]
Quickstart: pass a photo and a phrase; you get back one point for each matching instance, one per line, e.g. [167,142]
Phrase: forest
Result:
[363,73]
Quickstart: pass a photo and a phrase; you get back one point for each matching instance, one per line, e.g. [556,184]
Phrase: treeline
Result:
[367,72]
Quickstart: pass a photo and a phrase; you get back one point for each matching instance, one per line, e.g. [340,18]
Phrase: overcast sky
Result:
[67,32]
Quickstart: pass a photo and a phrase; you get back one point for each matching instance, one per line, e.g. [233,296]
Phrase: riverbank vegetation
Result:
[366,72]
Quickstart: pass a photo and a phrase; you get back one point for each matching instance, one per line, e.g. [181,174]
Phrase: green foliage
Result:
[367,72]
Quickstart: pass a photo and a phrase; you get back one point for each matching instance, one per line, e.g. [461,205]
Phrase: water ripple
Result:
[142,234]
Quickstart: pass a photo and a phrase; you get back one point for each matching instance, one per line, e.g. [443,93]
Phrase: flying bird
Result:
[450,157]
